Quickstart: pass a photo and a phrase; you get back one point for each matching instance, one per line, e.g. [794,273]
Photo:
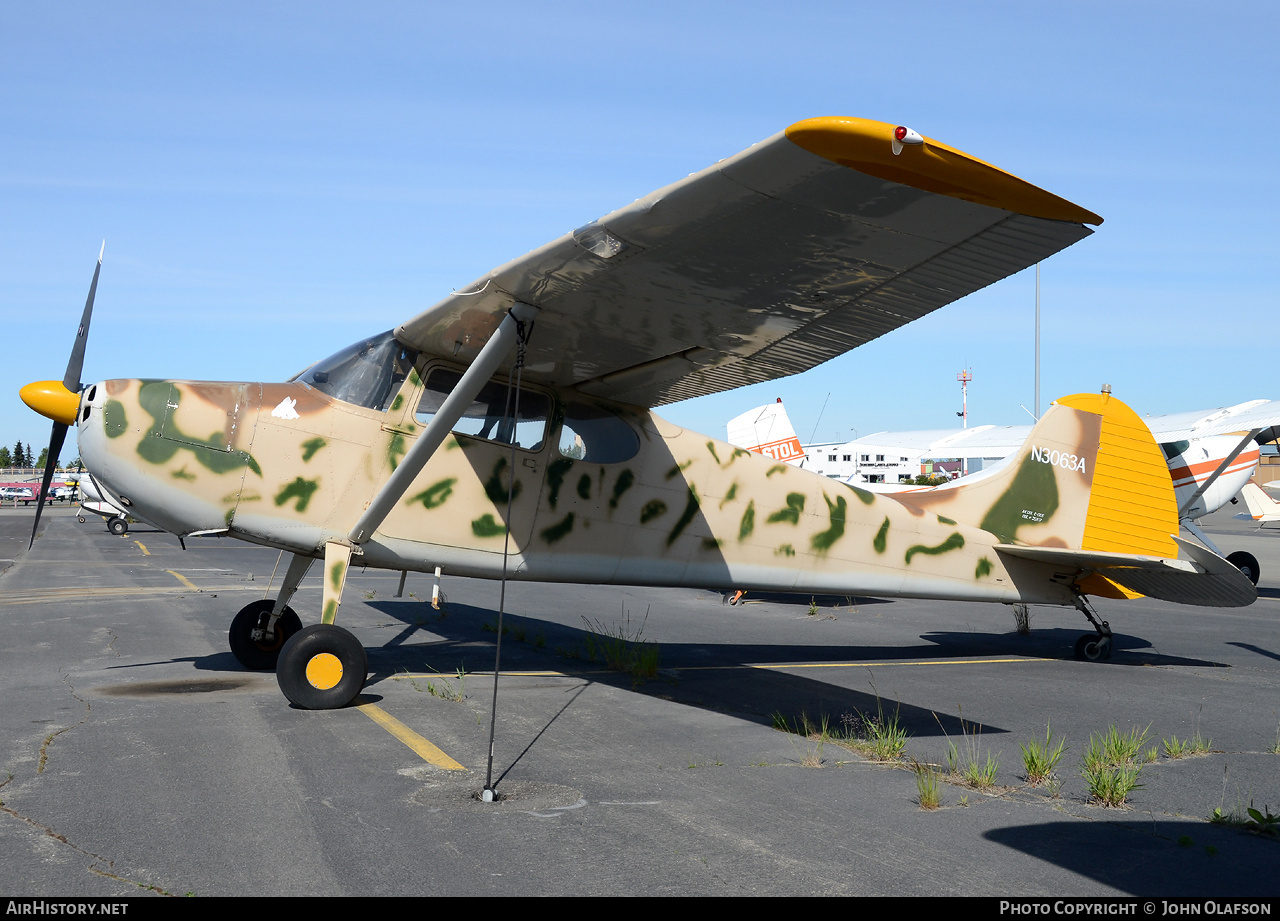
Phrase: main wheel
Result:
[1093,648]
[80,518]
[260,655]
[118,526]
[322,667]
[1247,563]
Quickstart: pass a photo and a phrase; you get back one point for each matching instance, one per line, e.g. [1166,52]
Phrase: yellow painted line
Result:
[183,579]
[423,748]
[879,664]
[48,596]
[143,548]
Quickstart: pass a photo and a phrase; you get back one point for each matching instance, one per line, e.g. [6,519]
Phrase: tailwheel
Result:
[118,526]
[322,667]
[1247,563]
[247,636]
[80,518]
[1093,648]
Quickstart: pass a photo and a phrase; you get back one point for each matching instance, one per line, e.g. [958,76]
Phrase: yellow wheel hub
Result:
[324,671]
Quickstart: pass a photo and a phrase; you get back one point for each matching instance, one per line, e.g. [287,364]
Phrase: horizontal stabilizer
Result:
[1205,579]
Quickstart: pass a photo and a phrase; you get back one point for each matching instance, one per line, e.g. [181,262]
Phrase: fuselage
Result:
[289,466]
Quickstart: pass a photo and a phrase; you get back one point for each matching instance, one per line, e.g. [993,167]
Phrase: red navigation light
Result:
[900,132]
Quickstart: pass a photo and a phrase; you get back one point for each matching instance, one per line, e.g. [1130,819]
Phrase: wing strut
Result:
[451,410]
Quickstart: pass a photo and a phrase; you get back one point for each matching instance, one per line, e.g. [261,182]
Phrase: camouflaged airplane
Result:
[519,408]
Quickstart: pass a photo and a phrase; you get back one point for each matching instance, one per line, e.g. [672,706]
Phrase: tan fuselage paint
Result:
[687,510]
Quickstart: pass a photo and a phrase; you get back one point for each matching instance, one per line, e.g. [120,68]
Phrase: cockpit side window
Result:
[487,416]
[1173,448]
[367,374]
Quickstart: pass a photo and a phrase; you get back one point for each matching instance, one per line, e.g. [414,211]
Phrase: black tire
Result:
[1247,563]
[1093,648]
[259,655]
[118,526]
[322,667]
[80,518]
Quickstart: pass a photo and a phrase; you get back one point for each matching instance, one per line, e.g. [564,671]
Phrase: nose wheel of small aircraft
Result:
[322,667]
[1247,563]
[118,526]
[247,636]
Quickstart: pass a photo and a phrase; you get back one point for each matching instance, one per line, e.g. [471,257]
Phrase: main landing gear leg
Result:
[260,630]
[323,667]
[1093,647]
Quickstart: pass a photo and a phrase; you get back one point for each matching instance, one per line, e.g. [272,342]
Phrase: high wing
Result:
[1200,423]
[813,242]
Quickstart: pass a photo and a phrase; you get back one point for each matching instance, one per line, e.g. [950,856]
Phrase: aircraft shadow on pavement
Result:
[728,677]
[1167,858]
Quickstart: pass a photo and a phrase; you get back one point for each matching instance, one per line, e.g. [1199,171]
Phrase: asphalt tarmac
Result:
[140,757]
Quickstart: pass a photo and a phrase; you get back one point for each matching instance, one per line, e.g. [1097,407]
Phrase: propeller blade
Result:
[71,380]
[56,437]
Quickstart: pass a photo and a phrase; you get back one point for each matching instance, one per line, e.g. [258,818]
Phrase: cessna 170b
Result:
[519,408]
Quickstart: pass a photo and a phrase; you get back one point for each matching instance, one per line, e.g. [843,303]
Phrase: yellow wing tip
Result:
[868,146]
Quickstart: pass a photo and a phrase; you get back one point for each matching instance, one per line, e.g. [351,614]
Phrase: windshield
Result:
[368,373]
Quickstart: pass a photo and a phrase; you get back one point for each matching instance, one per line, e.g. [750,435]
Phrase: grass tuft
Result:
[1112,764]
[965,763]
[620,648]
[1175,748]
[926,785]
[1039,760]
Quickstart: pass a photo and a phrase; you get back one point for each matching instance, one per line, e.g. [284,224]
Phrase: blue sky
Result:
[275,181]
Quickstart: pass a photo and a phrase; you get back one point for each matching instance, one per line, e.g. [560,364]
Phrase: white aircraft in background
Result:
[1262,508]
[1210,459]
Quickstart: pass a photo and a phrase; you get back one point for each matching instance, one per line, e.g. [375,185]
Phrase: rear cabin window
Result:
[595,434]
[488,415]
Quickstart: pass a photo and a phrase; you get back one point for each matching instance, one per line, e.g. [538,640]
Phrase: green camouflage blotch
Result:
[785,550]
[395,450]
[954,542]
[494,489]
[309,448]
[156,448]
[730,495]
[882,536]
[453,441]
[436,494]
[485,526]
[584,486]
[942,519]
[984,568]
[330,611]
[711,543]
[795,507]
[251,497]
[748,521]
[677,469]
[558,530]
[299,489]
[737,453]
[711,446]
[654,508]
[555,479]
[625,480]
[690,509]
[413,377]
[183,474]
[1034,488]
[228,515]
[114,421]
[776,468]
[866,497]
[336,572]
[397,402]
[837,511]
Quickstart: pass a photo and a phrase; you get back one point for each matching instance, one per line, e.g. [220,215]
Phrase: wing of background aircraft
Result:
[813,242]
